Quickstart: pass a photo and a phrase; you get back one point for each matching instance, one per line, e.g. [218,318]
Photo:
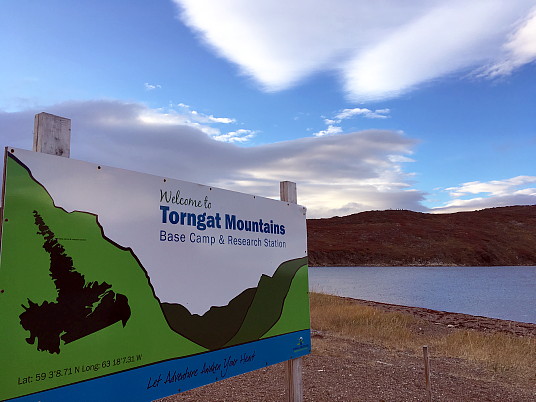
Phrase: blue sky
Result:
[427,105]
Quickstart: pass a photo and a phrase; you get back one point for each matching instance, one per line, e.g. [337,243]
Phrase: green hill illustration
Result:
[267,307]
[247,317]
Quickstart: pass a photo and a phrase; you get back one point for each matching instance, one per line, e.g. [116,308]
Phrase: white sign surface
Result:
[200,245]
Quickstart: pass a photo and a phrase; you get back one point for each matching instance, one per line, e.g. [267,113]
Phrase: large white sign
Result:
[104,270]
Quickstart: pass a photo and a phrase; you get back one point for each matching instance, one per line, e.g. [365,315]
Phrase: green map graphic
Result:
[80,309]
[57,267]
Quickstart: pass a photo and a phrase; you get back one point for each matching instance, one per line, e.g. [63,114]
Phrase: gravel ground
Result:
[341,369]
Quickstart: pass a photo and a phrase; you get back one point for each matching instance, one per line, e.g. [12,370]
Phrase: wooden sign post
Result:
[427,374]
[52,134]
[293,367]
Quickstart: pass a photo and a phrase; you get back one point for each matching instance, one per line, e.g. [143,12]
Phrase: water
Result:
[508,293]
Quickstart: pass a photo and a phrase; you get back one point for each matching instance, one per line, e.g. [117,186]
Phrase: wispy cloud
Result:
[494,187]
[345,114]
[203,118]
[478,195]
[518,51]
[381,49]
[364,112]
[152,87]
[335,174]
[239,136]
[331,130]
[182,114]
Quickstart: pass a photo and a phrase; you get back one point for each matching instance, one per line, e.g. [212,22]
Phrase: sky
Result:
[424,105]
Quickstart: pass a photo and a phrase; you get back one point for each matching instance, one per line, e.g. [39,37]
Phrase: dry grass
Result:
[501,352]
[334,314]
[508,354]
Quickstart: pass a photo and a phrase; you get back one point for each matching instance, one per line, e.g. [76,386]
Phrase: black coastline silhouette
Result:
[81,308]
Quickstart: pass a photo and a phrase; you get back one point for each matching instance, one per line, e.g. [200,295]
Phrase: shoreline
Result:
[439,265]
[455,320]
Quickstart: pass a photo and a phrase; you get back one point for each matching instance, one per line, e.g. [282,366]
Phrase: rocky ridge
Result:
[500,236]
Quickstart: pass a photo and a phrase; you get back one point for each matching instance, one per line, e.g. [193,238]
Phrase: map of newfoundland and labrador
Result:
[80,308]
[68,291]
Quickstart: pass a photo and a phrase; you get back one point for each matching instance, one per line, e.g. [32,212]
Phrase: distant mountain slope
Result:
[495,236]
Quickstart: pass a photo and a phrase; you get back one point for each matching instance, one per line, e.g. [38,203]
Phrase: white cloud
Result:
[495,193]
[519,50]
[400,158]
[494,187]
[222,120]
[364,112]
[240,136]
[188,117]
[478,203]
[346,114]
[203,118]
[331,130]
[152,87]
[351,172]
[336,175]
[382,49]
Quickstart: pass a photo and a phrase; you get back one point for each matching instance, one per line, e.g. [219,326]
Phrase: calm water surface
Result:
[499,292]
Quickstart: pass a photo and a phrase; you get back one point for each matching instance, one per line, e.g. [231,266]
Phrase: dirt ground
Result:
[341,369]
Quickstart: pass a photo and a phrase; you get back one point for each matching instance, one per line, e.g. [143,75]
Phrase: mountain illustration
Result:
[80,308]
[246,318]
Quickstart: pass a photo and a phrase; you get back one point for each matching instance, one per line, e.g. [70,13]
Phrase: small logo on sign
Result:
[301,345]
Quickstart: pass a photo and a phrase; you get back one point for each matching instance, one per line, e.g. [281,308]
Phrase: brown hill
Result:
[495,236]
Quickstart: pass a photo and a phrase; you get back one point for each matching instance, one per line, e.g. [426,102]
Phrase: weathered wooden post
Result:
[427,374]
[293,367]
[52,134]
